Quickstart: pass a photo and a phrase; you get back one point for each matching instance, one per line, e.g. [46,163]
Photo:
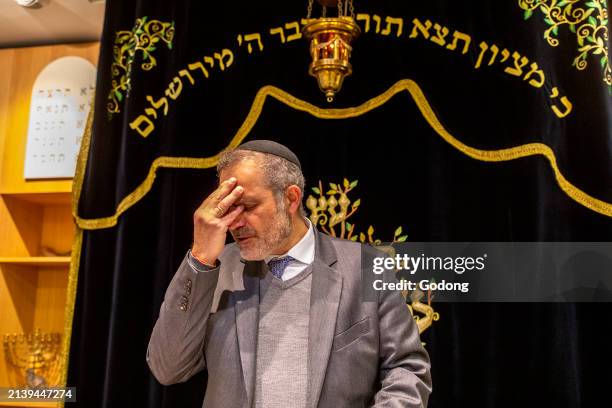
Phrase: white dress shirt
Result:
[302,253]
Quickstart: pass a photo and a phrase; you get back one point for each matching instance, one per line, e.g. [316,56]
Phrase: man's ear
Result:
[293,195]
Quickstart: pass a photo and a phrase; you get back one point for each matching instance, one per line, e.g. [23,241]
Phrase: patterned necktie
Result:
[278,265]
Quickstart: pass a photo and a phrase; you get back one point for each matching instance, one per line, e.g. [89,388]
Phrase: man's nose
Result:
[239,222]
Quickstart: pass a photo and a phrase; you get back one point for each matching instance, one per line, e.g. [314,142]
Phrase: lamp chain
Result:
[340,11]
[309,9]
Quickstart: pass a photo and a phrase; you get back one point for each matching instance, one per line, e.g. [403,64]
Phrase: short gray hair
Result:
[278,173]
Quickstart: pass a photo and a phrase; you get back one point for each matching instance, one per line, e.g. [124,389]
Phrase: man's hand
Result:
[212,219]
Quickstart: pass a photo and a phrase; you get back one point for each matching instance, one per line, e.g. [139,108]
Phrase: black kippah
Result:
[271,147]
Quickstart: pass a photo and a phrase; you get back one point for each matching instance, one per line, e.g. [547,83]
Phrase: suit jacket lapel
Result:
[247,319]
[324,301]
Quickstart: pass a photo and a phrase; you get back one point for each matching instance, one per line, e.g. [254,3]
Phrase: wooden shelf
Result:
[49,198]
[35,214]
[36,260]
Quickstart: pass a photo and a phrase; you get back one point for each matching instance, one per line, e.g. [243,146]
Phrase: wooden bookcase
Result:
[36,224]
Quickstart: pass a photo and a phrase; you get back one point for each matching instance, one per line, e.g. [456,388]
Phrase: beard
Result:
[261,245]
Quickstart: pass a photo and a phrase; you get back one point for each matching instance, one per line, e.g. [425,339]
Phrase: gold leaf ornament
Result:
[143,37]
[588,20]
[332,210]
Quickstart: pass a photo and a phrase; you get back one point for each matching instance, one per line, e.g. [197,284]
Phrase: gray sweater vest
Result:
[281,377]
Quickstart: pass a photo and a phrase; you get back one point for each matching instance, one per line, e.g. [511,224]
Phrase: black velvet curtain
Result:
[137,222]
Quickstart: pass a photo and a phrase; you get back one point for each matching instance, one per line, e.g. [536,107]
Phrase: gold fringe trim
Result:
[145,187]
[512,153]
[75,254]
[73,276]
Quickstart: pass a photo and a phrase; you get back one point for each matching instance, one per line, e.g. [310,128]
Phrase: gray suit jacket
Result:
[361,353]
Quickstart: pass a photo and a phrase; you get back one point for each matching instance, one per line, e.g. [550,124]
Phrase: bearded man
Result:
[279,318]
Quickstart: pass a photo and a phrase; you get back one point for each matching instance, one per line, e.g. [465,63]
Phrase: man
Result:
[279,318]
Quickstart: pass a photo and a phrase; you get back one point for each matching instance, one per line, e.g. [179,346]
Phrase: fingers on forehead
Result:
[225,188]
[231,198]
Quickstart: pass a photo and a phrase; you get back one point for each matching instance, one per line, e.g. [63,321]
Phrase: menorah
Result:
[36,355]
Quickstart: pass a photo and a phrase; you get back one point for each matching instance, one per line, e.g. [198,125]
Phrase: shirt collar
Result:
[303,251]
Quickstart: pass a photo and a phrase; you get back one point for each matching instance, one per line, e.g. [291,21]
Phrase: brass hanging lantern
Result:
[330,45]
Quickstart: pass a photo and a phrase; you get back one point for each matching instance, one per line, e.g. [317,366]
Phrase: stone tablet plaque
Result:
[59,106]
